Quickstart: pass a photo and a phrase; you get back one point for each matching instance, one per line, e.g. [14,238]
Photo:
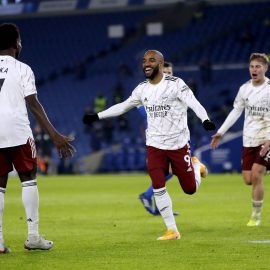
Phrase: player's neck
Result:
[258,82]
[7,52]
[157,79]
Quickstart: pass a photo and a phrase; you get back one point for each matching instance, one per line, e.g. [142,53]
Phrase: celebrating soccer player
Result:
[146,197]
[17,146]
[253,97]
[166,100]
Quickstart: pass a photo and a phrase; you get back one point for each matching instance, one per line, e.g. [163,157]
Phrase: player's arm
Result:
[230,120]
[62,143]
[238,107]
[199,110]
[113,111]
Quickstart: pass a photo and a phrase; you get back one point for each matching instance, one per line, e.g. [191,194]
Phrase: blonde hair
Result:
[262,57]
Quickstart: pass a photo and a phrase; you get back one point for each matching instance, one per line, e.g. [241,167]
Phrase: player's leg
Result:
[146,198]
[257,165]
[158,165]
[3,184]
[257,173]
[25,162]
[247,177]
[156,211]
[5,168]
[188,172]
[248,161]
[248,158]
[202,169]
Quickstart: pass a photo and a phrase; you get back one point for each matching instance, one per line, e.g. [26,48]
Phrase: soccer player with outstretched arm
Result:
[253,97]
[166,100]
[146,197]
[17,146]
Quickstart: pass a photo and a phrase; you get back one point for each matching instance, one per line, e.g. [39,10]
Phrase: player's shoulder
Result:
[142,83]
[171,78]
[246,84]
[18,65]
[23,65]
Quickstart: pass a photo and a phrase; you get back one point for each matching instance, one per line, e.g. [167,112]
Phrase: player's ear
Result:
[17,45]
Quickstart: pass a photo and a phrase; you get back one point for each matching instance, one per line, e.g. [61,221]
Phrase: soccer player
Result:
[146,197]
[166,100]
[17,146]
[253,97]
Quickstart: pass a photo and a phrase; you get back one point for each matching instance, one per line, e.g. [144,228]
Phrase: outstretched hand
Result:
[215,140]
[209,125]
[90,118]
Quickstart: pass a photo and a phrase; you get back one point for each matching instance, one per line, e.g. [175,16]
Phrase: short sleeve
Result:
[28,81]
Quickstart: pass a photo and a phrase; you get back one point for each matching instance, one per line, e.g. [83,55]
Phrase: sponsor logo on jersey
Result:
[157,108]
[257,110]
[156,111]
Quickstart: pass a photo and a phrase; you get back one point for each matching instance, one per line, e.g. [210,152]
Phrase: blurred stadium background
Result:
[86,55]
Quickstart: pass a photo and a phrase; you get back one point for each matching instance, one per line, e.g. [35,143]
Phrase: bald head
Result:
[153,62]
[157,54]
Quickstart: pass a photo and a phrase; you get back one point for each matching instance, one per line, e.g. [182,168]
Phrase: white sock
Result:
[30,200]
[257,208]
[164,205]
[2,203]
[197,171]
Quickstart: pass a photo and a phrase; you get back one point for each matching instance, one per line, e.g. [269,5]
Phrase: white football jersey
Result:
[166,105]
[16,82]
[255,100]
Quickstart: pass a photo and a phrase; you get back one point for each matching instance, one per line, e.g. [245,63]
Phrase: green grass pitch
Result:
[97,222]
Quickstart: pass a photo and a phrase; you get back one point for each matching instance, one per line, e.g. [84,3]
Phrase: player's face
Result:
[168,70]
[257,71]
[151,65]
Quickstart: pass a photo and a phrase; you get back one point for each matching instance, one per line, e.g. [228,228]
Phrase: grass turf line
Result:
[97,222]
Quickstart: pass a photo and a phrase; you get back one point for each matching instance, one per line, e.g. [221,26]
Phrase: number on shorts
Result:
[267,156]
[187,160]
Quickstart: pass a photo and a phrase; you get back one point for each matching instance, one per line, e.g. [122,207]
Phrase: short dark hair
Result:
[9,34]
[167,64]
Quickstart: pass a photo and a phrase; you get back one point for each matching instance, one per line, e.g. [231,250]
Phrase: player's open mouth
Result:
[147,70]
[254,76]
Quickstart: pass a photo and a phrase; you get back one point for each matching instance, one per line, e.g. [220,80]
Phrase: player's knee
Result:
[247,181]
[29,175]
[190,190]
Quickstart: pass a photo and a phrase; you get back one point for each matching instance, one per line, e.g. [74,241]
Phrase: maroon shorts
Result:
[251,155]
[22,157]
[158,162]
